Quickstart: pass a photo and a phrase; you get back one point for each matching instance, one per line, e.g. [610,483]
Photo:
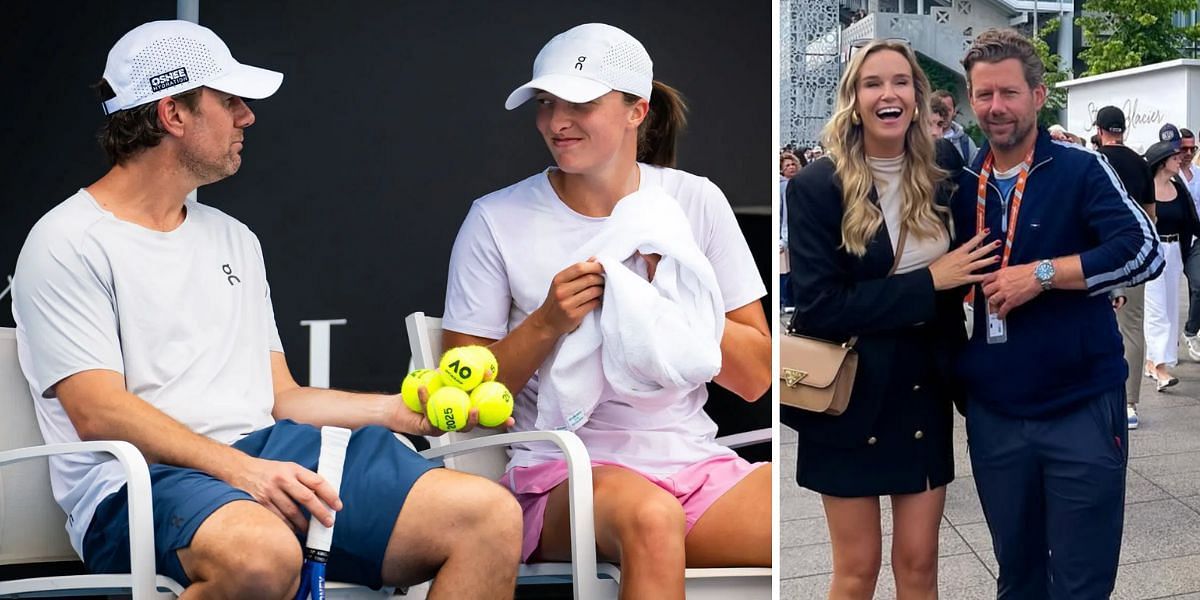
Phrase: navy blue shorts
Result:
[378,474]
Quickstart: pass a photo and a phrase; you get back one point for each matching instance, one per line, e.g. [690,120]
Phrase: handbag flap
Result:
[810,362]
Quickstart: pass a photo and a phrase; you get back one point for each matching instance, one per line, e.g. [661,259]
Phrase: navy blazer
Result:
[907,333]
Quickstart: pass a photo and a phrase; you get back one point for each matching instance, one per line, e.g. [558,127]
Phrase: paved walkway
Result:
[1160,553]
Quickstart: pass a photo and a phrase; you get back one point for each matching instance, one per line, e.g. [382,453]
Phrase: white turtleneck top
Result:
[919,252]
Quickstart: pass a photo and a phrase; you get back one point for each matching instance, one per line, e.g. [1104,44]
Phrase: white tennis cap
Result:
[164,58]
[586,62]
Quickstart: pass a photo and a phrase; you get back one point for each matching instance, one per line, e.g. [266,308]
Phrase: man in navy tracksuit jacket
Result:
[1045,376]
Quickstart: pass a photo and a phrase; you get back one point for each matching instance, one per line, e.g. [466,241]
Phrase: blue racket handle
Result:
[317,583]
[305,573]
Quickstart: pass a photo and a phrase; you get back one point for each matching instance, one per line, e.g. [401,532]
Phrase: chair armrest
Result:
[137,473]
[747,438]
[579,478]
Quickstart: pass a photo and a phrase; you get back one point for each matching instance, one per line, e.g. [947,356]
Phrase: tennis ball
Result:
[421,377]
[494,401]
[488,360]
[463,367]
[448,408]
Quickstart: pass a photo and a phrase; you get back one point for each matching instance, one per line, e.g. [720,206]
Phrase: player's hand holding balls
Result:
[428,378]
[463,381]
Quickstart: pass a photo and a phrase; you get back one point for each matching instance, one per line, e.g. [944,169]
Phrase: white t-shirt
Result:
[1193,184]
[512,244]
[184,315]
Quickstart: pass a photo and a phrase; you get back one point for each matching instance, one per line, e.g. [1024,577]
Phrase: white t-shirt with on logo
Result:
[512,244]
[184,315]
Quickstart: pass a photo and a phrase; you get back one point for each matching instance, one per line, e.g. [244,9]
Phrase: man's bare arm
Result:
[101,408]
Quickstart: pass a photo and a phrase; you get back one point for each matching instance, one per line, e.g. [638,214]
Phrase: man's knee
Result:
[494,510]
[246,552]
[480,510]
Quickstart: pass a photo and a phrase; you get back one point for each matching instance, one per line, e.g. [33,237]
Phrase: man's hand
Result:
[1011,287]
[280,486]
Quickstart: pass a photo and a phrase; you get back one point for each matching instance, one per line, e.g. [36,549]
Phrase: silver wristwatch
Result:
[1044,271]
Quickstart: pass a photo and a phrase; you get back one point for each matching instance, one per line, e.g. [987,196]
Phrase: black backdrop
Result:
[390,121]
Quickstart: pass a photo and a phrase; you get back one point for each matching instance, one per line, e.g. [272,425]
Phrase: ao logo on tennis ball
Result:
[465,367]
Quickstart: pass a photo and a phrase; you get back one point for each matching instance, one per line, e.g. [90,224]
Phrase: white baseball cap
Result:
[164,58]
[586,62]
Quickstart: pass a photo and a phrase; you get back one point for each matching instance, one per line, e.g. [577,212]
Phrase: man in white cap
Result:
[145,317]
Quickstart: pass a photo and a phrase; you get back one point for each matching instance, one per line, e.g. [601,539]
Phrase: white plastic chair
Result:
[591,580]
[31,522]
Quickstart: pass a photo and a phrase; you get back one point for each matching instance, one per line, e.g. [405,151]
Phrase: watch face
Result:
[1044,271]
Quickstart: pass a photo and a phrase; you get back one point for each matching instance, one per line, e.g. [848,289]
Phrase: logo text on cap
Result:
[168,79]
[579,63]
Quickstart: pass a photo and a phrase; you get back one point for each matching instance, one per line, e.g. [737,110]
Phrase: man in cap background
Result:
[1135,175]
[146,317]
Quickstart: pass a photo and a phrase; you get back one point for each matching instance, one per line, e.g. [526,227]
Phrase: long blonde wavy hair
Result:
[919,176]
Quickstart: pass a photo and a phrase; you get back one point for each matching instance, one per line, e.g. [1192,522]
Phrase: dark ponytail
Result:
[661,129]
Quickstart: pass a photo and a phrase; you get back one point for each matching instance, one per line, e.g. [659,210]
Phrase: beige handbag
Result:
[817,375]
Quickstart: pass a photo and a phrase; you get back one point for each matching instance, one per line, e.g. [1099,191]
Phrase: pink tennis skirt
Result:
[696,487]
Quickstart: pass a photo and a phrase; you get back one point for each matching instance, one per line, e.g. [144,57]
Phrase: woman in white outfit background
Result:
[1176,224]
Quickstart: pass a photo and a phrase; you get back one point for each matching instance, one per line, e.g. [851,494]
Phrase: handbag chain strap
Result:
[895,264]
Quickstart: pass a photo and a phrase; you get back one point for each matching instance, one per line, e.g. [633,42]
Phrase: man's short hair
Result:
[996,44]
[1186,133]
[940,110]
[939,95]
[127,133]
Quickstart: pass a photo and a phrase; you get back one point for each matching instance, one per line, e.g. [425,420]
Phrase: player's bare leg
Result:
[242,550]
[462,530]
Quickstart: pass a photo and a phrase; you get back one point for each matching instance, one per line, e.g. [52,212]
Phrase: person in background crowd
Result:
[1044,368]
[789,165]
[945,154]
[954,132]
[938,118]
[877,196]
[1190,175]
[1130,302]
[1177,224]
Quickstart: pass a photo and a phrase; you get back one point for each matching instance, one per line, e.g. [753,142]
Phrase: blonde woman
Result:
[879,192]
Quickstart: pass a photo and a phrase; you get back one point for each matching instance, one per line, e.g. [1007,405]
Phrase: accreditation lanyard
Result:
[996,333]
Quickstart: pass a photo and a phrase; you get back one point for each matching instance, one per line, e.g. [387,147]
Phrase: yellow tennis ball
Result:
[488,360]
[448,409]
[494,401]
[414,380]
[462,368]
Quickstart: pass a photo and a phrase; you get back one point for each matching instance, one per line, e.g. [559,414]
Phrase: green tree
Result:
[1056,99]
[940,78]
[1122,34]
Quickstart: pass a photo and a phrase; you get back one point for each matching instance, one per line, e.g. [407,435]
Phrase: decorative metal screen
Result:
[809,68]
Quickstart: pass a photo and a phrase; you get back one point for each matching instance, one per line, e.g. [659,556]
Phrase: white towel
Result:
[649,343]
